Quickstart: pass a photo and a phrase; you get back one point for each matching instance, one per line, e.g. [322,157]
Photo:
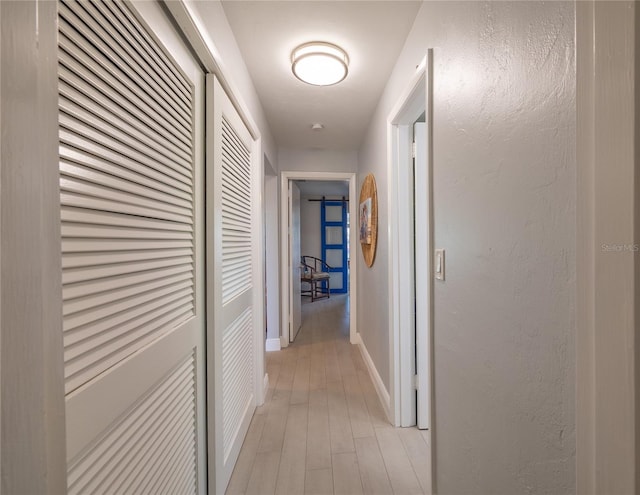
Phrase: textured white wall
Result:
[317,160]
[504,203]
[310,242]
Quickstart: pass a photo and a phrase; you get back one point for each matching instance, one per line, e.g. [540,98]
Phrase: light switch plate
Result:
[439,264]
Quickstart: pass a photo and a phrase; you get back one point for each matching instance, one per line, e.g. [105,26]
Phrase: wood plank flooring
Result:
[322,429]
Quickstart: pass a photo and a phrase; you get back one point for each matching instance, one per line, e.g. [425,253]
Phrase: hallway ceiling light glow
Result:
[319,63]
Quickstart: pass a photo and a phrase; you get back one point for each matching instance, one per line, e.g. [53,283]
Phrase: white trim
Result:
[607,288]
[258,267]
[411,103]
[273,345]
[265,384]
[32,391]
[404,203]
[586,475]
[422,269]
[272,253]
[285,177]
[378,384]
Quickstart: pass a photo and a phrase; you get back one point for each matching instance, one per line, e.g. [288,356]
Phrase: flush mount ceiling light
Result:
[320,63]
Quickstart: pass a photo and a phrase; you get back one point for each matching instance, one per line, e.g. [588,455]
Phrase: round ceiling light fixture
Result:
[319,63]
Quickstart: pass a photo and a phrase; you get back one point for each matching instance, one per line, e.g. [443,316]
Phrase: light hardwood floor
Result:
[322,429]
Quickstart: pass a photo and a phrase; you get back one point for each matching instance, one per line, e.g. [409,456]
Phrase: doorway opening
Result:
[316,225]
[411,251]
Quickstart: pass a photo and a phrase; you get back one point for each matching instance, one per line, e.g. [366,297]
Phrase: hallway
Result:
[322,429]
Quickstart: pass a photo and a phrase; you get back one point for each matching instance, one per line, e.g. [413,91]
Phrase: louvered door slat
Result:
[141,336]
[232,159]
[236,266]
[234,227]
[158,311]
[235,156]
[112,47]
[142,41]
[102,119]
[75,71]
[74,275]
[105,187]
[102,108]
[70,43]
[235,199]
[79,290]
[238,255]
[133,429]
[231,171]
[77,135]
[138,302]
[120,330]
[238,147]
[82,201]
[73,230]
[154,454]
[86,248]
[163,422]
[235,280]
[83,259]
[236,215]
[124,438]
[86,124]
[76,218]
[75,86]
[152,180]
[104,297]
[95,154]
[236,246]
[142,51]
[237,376]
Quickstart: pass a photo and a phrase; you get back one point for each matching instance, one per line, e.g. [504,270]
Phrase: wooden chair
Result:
[315,272]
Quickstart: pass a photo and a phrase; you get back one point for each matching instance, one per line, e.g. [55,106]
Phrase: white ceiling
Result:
[373,34]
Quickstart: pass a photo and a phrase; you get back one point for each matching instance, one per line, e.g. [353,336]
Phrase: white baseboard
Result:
[273,344]
[265,385]
[378,384]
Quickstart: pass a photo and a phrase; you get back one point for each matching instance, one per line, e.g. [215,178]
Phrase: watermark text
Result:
[620,248]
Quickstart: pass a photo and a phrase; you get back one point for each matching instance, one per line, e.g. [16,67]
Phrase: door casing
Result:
[294,262]
[286,276]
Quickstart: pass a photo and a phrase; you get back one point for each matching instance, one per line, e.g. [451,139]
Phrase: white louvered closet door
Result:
[231,197]
[131,173]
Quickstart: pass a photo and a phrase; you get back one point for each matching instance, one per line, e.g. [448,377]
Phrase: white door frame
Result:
[295,292]
[412,103]
[272,256]
[286,274]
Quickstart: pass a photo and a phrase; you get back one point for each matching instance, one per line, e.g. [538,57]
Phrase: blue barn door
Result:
[333,224]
